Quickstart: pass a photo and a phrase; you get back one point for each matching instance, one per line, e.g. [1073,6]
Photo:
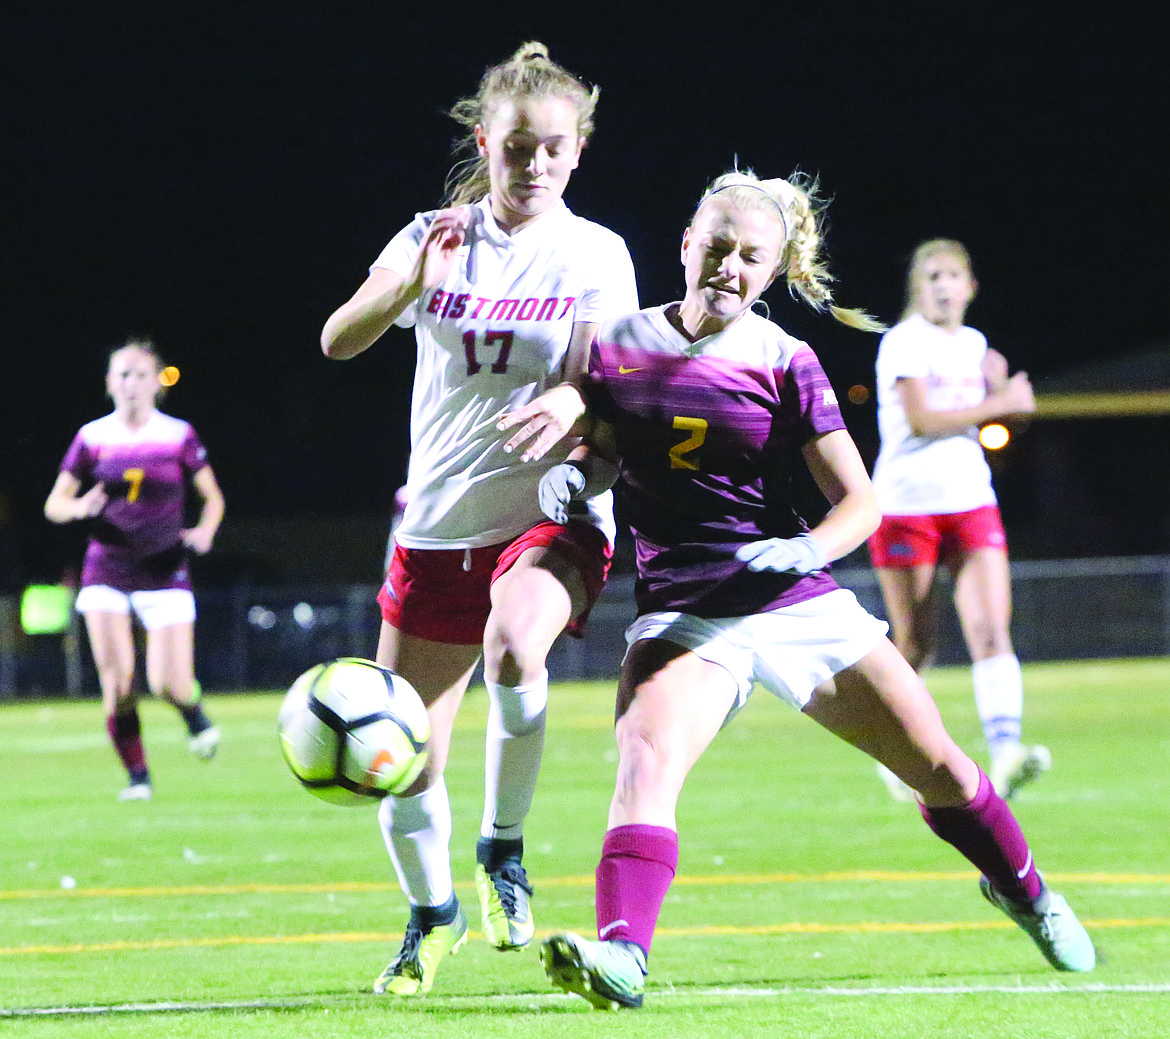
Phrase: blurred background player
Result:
[937,383]
[127,475]
[706,406]
[505,289]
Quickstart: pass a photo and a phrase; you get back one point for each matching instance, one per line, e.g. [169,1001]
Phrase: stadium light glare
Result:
[994,436]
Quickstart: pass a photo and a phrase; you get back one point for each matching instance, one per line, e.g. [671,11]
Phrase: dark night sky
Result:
[219,176]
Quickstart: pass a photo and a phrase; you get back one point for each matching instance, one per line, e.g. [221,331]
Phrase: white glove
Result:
[802,554]
[558,487]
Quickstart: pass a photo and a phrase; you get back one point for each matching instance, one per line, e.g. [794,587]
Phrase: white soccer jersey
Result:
[490,339]
[946,472]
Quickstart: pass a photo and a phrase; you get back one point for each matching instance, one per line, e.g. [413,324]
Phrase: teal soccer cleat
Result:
[1052,925]
[610,975]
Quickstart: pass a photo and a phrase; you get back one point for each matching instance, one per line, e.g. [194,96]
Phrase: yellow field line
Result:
[359,887]
[865,927]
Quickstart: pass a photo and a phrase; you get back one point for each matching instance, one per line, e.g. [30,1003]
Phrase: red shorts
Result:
[428,593]
[902,542]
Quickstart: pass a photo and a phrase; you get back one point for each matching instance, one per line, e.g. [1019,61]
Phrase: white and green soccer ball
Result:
[353,731]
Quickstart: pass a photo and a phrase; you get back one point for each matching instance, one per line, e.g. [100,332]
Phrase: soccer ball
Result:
[353,731]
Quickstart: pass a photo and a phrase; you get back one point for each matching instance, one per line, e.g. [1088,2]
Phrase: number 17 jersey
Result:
[491,338]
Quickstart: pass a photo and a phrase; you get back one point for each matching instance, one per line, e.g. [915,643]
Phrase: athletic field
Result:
[808,903]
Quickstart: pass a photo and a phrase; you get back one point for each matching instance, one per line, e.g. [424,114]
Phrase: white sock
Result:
[417,832]
[999,699]
[512,749]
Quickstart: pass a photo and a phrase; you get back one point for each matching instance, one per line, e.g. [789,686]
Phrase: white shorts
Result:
[789,651]
[156,609]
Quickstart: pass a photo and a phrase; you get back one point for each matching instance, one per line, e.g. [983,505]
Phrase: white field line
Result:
[1054,988]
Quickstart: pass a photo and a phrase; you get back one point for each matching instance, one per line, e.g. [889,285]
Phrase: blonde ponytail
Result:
[802,260]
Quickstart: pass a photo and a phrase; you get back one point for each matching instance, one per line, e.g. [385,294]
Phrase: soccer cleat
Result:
[412,971]
[1016,766]
[136,792]
[204,744]
[503,905]
[899,791]
[1052,925]
[609,975]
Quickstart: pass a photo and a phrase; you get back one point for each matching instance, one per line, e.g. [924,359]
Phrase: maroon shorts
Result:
[902,542]
[428,593]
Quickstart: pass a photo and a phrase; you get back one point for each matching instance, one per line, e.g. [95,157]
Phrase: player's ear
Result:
[686,244]
[480,138]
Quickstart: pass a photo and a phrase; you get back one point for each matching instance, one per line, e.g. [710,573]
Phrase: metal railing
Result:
[254,637]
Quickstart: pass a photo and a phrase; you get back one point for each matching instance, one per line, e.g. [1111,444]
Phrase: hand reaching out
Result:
[544,421]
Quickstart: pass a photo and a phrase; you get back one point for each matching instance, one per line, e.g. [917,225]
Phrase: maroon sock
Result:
[635,872]
[986,832]
[126,733]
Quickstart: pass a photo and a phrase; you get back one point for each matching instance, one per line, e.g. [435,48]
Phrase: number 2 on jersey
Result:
[698,428]
[500,365]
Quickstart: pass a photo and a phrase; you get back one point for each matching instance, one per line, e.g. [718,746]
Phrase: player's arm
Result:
[836,465]
[591,469]
[840,473]
[558,412]
[199,537]
[1012,400]
[64,504]
[357,324]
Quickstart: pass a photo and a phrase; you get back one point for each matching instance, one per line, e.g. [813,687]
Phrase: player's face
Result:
[132,380]
[944,289]
[730,257]
[532,148]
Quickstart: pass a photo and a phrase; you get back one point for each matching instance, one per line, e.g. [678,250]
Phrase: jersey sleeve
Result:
[192,455]
[614,288]
[78,460]
[808,388]
[398,256]
[902,355]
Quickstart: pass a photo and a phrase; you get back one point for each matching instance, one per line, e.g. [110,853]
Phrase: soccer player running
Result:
[937,382]
[704,405]
[505,288]
[126,475]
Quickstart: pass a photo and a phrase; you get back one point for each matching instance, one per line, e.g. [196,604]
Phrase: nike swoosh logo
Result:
[623,370]
[1027,866]
[609,927]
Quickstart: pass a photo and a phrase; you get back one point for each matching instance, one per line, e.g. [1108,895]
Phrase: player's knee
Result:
[514,654]
[917,651]
[988,640]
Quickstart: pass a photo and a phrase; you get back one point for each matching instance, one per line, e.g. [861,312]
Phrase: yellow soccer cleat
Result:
[412,971]
[504,906]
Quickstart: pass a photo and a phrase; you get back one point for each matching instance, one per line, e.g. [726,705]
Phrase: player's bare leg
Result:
[170,674]
[111,637]
[912,607]
[671,705]
[880,706]
[983,600]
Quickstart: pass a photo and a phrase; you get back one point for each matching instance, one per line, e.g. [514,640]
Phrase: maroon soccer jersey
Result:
[136,542]
[708,433]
